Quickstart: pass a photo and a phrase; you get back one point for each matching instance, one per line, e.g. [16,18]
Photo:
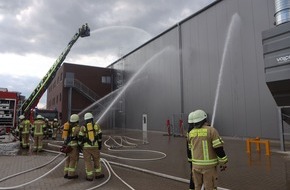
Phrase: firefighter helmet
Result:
[196,116]
[21,117]
[39,117]
[74,118]
[88,116]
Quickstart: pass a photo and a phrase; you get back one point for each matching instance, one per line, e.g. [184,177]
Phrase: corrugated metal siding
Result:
[245,106]
[156,90]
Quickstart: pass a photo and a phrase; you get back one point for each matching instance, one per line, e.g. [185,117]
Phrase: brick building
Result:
[75,87]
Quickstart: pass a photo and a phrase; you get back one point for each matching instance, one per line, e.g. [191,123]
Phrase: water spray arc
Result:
[235,21]
[145,33]
[130,82]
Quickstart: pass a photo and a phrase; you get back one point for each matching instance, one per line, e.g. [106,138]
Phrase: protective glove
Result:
[223,167]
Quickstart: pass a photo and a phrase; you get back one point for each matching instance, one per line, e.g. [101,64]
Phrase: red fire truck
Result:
[9,104]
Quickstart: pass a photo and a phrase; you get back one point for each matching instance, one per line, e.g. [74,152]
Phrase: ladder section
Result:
[32,101]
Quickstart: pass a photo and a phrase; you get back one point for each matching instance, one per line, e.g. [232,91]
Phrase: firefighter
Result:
[38,132]
[91,141]
[24,130]
[55,126]
[206,151]
[71,137]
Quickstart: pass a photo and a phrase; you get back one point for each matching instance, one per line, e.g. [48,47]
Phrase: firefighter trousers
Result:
[25,140]
[92,162]
[54,133]
[37,142]
[71,162]
[205,176]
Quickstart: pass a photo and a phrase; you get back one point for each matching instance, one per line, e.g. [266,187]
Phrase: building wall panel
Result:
[245,107]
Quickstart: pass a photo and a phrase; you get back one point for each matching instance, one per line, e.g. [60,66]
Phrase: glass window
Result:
[106,79]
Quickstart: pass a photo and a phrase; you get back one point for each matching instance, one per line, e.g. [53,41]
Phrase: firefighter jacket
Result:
[73,135]
[97,136]
[24,126]
[204,143]
[38,127]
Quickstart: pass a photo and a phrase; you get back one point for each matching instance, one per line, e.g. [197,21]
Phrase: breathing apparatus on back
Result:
[90,127]
[74,119]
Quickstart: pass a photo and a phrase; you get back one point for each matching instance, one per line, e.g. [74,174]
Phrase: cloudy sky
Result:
[35,32]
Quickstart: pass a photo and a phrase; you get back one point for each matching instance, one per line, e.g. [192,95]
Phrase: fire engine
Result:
[9,104]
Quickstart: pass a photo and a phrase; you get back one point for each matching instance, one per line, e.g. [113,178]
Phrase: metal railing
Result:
[82,88]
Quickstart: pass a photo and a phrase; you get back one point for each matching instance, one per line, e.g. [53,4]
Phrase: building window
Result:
[106,79]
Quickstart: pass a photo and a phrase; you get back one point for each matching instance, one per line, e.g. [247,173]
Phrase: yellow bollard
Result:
[258,142]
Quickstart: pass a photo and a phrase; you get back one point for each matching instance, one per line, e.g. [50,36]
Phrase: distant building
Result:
[75,87]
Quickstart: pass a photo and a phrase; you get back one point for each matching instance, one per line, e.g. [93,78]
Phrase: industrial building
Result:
[178,71]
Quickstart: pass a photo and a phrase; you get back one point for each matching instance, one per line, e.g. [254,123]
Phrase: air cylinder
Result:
[282,11]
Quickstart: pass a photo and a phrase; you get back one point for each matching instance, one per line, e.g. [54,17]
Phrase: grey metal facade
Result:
[182,68]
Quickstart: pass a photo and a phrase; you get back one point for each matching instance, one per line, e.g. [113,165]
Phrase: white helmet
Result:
[196,116]
[39,117]
[21,117]
[88,116]
[74,118]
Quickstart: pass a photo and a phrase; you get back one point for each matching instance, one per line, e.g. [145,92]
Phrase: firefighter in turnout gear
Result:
[71,138]
[37,133]
[55,126]
[24,129]
[91,141]
[206,151]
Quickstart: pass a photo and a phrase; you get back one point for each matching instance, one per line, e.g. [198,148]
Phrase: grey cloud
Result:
[14,83]
[52,22]
[117,26]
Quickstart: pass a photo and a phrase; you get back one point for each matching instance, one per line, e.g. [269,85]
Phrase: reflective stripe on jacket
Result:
[203,141]
[38,127]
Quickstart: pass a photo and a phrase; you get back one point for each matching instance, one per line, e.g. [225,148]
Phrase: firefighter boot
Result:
[100,176]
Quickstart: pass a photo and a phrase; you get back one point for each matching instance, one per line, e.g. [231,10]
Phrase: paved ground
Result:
[251,172]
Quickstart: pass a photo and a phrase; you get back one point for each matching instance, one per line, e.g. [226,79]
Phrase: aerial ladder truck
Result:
[32,101]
